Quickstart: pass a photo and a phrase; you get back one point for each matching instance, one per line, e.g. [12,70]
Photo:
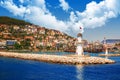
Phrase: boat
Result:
[69,50]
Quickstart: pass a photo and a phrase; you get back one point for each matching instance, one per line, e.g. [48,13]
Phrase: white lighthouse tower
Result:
[79,49]
[106,47]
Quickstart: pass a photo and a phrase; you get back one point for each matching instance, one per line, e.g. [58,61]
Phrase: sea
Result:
[18,69]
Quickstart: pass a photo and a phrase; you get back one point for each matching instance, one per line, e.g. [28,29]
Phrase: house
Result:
[37,43]
[10,42]
[2,44]
[16,27]
[29,37]
[30,29]
[111,41]
[52,32]
[6,35]
[41,30]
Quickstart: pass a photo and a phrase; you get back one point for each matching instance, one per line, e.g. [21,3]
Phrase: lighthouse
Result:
[106,47]
[79,49]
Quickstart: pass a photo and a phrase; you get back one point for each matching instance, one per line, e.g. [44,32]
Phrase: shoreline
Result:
[109,55]
[65,59]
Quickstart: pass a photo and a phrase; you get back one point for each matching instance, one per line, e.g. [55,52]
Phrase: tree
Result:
[48,47]
[40,39]
[26,43]
[17,46]
[40,47]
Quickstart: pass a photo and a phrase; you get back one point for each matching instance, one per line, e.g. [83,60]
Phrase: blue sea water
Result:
[18,69]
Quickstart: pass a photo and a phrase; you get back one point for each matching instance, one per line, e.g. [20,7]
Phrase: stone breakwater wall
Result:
[109,55]
[73,60]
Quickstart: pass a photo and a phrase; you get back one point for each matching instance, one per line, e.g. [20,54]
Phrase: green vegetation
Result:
[17,46]
[25,44]
[12,21]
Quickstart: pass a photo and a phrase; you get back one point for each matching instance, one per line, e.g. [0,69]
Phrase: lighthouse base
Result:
[79,50]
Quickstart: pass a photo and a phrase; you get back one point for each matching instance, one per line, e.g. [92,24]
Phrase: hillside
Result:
[12,21]
[18,34]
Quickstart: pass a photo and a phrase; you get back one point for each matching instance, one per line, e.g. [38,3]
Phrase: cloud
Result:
[64,5]
[95,14]
[22,1]
[17,11]
[44,18]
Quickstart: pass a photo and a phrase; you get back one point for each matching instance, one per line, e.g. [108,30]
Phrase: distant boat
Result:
[69,51]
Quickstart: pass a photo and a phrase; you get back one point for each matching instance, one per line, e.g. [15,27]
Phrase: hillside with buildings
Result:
[23,36]
[20,35]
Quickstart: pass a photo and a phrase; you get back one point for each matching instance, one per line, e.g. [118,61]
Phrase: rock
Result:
[74,59]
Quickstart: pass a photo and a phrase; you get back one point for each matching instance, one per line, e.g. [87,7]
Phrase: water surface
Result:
[17,69]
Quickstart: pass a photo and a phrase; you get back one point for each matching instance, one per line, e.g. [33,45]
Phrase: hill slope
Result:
[32,37]
[12,21]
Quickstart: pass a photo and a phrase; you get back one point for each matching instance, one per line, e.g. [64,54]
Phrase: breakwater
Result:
[65,59]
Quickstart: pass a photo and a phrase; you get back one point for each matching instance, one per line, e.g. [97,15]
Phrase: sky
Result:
[97,18]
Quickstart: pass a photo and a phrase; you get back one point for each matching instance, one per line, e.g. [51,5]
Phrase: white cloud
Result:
[64,5]
[17,11]
[95,14]
[22,1]
[73,17]
[45,19]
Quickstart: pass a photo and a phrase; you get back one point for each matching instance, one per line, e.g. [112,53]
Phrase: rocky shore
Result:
[109,55]
[73,60]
